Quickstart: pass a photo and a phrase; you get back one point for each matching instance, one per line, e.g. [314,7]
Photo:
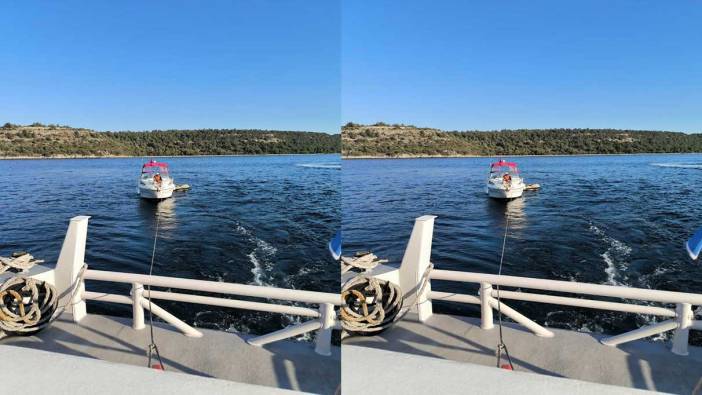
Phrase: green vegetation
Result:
[38,140]
[382,140]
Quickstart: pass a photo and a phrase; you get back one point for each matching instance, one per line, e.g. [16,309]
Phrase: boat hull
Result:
[503,193]
[162,193]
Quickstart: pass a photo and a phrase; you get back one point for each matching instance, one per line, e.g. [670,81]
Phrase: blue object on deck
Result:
[335,246]
[694,245]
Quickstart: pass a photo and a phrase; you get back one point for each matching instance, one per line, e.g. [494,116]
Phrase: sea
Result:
[262,220]
[617,220]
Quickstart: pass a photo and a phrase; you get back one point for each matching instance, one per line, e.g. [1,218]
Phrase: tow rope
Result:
[152,347]
[501,346]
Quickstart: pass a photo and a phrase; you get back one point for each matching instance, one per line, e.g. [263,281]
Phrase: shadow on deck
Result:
[286,364]
[575,355]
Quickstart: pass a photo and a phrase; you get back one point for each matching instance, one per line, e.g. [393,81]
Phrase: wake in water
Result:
[615,257]
[679,165]
[336,166]
[261,257]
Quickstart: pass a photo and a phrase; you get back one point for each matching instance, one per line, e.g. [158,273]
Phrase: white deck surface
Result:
[569,354]
[286,364]
[60,374]
[388,372]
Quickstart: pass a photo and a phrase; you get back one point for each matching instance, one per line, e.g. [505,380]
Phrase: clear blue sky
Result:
[523,64]
[115,65]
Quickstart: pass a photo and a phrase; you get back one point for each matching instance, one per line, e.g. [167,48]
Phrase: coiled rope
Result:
[362,260]
[371,305]
[19,261]
[28,305]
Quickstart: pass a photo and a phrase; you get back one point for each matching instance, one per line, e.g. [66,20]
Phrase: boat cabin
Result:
[152,168]
[501,168]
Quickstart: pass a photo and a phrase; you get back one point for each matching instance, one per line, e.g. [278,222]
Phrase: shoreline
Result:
[507,156]
[150,156]
[344,157]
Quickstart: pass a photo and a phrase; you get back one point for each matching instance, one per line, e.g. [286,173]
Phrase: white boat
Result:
[504,181]
[155,182]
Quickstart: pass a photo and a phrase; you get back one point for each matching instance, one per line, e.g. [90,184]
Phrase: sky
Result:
[486,65]
[143,65]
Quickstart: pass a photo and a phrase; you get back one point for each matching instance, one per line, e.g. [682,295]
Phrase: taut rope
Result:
[153,348]
[501,346]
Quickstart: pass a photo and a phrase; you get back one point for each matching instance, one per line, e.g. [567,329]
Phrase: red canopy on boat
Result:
[503,163]
[149,166]
[153,163]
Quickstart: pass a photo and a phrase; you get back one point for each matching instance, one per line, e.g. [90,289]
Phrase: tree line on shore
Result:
[406,140]
[55,140]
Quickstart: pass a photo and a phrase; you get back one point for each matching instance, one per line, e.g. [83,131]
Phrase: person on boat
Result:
[507,181]
[157,179]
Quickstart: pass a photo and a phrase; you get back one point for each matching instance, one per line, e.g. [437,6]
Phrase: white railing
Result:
[68,268]
[416,262]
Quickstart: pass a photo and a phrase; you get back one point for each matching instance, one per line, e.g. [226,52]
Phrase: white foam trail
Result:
[616,249]
[679,165]
[260,257]
[611,269]
[257,269]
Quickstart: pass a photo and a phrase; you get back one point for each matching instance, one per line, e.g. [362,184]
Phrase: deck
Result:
[286,364]
[574,355]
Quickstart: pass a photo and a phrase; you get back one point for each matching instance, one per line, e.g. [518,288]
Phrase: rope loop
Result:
[361,261]
[26,305]
[370,305]
[18,262]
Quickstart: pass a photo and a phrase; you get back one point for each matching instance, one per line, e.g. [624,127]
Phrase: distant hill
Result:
[381,140]
[39,140]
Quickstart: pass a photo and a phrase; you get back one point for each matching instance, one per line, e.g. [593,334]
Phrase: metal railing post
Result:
[187,330]
[521,319]
[684,316]
[285,333]
[327,319]
[137,308]
[485,307]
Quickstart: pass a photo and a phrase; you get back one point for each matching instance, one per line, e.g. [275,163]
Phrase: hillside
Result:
[381,140]
[38,140]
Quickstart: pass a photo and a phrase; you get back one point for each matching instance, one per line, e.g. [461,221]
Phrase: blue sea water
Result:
[619,220]
[247,219]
